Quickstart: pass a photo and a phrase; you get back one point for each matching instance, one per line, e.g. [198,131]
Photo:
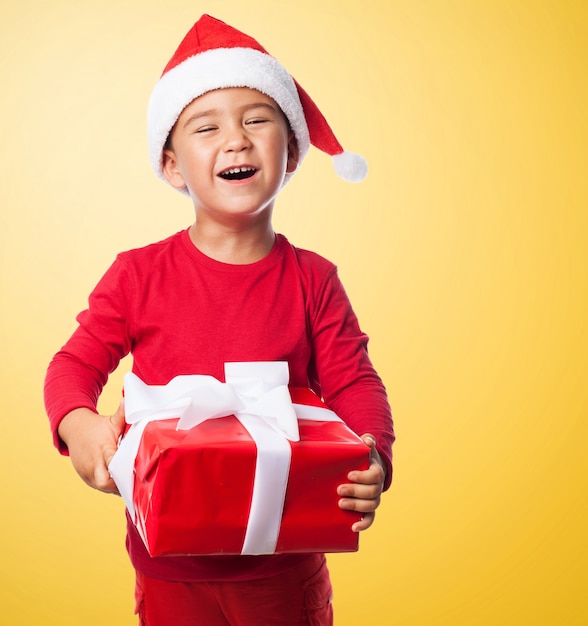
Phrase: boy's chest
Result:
[195,327]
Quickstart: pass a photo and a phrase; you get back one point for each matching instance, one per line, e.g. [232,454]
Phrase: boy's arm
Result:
[363,492]
[91,440]
[344,373]
[78,372]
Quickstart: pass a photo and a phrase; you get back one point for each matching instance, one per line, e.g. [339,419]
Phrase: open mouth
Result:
[237,173]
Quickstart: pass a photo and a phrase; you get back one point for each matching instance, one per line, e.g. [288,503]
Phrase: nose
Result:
[236,138]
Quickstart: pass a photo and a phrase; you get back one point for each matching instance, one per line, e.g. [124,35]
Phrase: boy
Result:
[228,126]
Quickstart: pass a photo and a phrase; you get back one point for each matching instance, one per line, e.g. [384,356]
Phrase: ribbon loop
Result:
[192,398]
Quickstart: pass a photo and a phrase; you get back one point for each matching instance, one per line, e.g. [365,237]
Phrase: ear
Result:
[293,153]
[171,169]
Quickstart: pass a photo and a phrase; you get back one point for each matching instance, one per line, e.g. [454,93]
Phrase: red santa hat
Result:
[214,55]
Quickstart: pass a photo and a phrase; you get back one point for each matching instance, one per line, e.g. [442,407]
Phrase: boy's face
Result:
[231,148]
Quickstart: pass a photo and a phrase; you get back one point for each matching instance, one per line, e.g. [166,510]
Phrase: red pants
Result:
[298,597]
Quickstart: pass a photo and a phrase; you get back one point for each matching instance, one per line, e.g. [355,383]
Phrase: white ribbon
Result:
[257,394]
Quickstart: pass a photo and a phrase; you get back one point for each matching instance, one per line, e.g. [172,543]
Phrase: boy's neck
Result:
[234,246]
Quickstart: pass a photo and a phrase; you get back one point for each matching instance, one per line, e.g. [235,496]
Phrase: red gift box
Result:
[193,488]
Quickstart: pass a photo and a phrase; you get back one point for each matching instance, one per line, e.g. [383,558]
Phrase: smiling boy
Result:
[228,126]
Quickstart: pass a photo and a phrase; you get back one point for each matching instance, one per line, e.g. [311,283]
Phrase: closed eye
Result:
[257,120]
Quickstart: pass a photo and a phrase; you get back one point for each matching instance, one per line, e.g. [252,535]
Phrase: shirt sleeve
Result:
[79,371]
[344,372]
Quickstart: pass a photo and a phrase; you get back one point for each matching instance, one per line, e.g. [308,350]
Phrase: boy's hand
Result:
[363,494]
[92,441]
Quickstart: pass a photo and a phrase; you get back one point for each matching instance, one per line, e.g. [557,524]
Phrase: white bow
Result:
[256,388]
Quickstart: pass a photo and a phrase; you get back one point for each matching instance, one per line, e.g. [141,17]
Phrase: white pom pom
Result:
[350,167]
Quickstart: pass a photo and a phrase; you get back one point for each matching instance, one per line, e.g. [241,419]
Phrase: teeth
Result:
[238,173]
[238,170]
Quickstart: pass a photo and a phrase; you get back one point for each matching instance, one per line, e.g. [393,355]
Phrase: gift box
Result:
[236,484]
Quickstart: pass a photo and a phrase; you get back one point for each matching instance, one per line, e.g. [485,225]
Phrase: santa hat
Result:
[214,55]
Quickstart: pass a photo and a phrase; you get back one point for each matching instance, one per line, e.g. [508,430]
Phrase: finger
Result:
[366,521]
[372,476]
[361,492]
[368,505]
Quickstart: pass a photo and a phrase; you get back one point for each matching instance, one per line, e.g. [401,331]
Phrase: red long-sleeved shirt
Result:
[180,312]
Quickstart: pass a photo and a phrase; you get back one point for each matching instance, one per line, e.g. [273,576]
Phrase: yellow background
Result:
[464,253]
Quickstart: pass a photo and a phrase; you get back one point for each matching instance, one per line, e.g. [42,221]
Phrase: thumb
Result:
[369,440]
[108,453]
[118,418]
